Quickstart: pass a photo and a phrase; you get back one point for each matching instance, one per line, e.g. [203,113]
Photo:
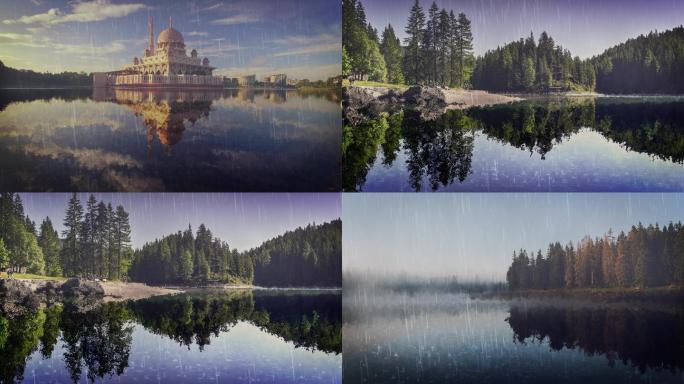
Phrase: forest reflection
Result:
[441,150]
[97,342]
[644,339]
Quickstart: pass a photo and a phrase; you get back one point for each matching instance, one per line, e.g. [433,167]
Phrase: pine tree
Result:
[48,241]
[413,59]
[71,251]
[391,51]
[464,49]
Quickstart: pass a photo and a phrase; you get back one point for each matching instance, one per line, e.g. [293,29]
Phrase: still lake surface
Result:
[603,144]
[208,337]
[134,140]
[451,338]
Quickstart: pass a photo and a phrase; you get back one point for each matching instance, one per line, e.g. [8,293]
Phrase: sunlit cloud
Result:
[234,20]
[97,10]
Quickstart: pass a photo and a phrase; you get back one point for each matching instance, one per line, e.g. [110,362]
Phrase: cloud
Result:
[303,44]
[234,20]
[196,33]
[321,48]
[97,10]
[15,38]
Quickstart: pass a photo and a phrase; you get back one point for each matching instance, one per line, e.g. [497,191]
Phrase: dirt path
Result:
[115,290]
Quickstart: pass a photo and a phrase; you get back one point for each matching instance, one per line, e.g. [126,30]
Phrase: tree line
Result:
[438,50]
[190,258]
[25,78]
[647,64]
[304,257]
[643,257]
[531,66]
[96,240]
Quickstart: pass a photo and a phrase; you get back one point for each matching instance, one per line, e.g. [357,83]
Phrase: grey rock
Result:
[81,288]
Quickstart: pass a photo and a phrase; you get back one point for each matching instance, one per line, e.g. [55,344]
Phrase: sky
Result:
[474,235]
[301,38]
[242,220]
[585,27]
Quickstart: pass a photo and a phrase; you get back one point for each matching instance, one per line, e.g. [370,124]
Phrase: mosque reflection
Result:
[166,113]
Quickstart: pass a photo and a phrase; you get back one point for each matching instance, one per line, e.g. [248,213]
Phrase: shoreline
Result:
[667,294]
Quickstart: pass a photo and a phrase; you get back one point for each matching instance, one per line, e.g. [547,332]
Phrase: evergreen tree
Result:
[48,240]
[391,52]
[71,251]
[4,255]
[464,50]
[415,29]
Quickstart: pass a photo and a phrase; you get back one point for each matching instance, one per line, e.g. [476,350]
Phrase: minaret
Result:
[169,22]
[150,30]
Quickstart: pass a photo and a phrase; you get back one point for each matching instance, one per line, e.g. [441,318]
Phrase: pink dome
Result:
[170,36]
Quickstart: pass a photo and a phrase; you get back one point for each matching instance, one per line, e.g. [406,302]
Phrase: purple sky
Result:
[586,27]
[243,220]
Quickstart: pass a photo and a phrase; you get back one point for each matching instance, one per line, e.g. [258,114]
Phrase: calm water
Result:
[580,144]
[130,140]
[449,338]
[218,337]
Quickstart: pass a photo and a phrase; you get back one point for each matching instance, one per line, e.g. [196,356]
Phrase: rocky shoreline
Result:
[20,295]
[362,103]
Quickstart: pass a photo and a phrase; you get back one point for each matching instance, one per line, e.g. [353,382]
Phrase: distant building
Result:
[166,65]
[292,82]
[278,80]
[246,81]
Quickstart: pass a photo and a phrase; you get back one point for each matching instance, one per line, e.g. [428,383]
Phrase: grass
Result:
[361,83]
[30,276]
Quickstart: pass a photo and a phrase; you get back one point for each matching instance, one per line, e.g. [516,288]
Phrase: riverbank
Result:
[367,102]
[667,294]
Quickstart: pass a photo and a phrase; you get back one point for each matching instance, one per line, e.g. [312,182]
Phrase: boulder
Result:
[16,298]
[360,105]
[81,288]
[429,101]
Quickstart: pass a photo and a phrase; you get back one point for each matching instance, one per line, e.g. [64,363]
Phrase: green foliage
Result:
[360,44]
[391,51]
[4,255]
[48,240]
[309,256]
[16,78]
[644,257]
[529,66]
[647,64]
[304,257]
[346,63]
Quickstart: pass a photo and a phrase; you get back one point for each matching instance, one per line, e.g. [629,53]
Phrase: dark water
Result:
[571,144]
[450,338]
[132,140]
[217,337]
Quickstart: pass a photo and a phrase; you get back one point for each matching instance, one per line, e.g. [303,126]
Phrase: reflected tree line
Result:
[640,338]
[98,341]
[441,149]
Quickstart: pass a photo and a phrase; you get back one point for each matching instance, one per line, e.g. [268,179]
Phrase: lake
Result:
[136,140]
[393,337]
[604,144]
[236,336]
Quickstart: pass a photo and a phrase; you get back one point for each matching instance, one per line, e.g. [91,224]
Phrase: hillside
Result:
[647,64]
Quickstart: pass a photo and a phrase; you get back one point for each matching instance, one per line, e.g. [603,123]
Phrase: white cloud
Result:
[238,19]
[303,44]
[196,33]
[320,48]
[96,10]
[15,38]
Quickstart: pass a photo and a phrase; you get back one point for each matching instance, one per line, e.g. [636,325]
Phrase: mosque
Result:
[165,65]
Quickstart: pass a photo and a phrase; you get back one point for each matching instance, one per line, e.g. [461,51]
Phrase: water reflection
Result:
[572,144]
[434,337]
[170,140]
[99,343]
[641,338]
